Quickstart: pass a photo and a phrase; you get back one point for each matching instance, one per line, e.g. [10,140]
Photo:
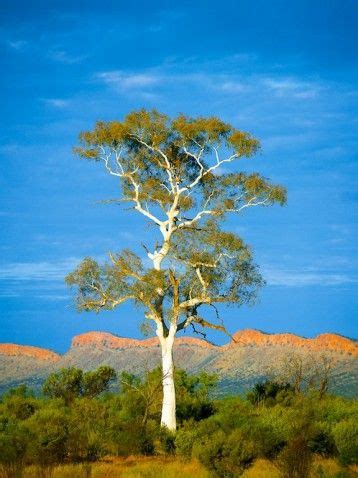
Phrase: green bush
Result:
[345,436]
[13,445]
[167,440]
[48,436]
[322,443]
[78,423]
[296,458]
[185,439]
[71,383]
[268,393]
[226,456]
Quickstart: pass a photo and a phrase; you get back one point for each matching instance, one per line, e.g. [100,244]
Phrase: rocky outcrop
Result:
[249,357]
[14,350]
[323,342]
[104,339]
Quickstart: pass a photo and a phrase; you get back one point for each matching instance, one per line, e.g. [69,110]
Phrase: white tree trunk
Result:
[168,407]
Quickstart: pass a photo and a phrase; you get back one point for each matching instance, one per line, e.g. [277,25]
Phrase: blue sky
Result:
[285,71]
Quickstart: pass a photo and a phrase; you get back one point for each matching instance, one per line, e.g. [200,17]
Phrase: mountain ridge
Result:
[31,351]
[324,341]
[251,356]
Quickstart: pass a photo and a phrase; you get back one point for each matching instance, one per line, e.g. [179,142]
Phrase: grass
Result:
[322,468]
[262,469]
[149,468]
[166,467]
[131,467]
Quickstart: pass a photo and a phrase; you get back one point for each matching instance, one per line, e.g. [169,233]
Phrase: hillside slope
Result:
[249,357]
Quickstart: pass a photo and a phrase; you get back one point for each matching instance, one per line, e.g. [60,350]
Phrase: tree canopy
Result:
[171,171]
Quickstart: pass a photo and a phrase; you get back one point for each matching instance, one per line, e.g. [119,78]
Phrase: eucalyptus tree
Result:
[171,171]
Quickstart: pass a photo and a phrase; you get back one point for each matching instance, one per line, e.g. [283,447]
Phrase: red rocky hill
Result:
[248,357]
[323,342]
[14,350]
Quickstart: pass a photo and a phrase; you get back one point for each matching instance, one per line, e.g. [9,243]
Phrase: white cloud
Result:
[42,271]
[54,52]
[53,297]
[128,81]
[18,45]
[210,77]
[62,56]
[57,102]
[233,87]
[301,278]
[292,87]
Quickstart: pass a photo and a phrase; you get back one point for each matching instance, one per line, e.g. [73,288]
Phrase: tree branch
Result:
[164,156]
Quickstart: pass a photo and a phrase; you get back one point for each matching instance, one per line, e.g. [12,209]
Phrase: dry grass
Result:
[163,467]
[329,468]
[322,468]
[131,467]
[134,467]
[262,469]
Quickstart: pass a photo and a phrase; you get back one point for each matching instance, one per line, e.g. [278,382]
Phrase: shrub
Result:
[71,383]
[65,384]
[48,440]
[13,444]
[226,456]
[345,436]
[167,440]
[322,443]
[296,458]
[269,392]
[185,439]
[97,381]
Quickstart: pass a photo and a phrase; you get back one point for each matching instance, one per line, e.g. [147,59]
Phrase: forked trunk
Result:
[168,419]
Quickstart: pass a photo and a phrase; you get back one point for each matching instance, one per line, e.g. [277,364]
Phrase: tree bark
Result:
[168,419]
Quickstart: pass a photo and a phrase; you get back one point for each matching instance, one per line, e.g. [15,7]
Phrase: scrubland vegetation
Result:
[77,428]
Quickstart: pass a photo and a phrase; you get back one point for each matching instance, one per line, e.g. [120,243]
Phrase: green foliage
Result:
[322,443]
[227,436]
[89,422]
[96,382]
[19,391]
[233,275]
[193,395]
[269,392]
[142,397]
[145,137]
[49,431]
[167,440]
[345,436]
[65,384]
[296,458]
[71,383]
[288,432]
[13,444]
[226,455]
[19,407]
[168,170]
[230,440]
[185,438]
[157,130]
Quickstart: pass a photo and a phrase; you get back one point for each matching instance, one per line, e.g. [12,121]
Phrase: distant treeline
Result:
[77,419]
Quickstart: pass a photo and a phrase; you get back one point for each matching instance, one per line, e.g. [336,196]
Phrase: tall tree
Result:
[171,172]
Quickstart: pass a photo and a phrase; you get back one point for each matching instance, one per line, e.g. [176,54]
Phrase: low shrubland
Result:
[76,427]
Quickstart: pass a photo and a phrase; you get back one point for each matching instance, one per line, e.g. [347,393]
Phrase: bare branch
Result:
[202,334]
[203,172]
[138,205]
[198,216]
